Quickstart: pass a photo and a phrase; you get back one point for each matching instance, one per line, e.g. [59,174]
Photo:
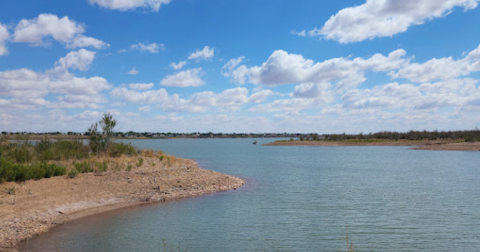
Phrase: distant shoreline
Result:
[447,145]
[78,137]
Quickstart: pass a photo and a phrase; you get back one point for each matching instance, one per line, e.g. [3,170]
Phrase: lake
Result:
[298,199]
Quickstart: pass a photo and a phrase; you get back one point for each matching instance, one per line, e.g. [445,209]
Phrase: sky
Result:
[302,66]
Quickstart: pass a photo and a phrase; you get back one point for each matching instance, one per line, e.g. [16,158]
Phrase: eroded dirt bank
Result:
[37,206]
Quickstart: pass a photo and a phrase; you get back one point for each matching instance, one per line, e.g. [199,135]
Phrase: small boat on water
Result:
[255,142]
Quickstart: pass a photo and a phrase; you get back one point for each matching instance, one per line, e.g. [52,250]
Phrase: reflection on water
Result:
[299,199]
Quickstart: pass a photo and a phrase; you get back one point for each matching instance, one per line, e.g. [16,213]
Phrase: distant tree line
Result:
[467,135]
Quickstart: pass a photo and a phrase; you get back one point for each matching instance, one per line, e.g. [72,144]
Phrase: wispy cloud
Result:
[125,5]
[134,71]
[204,54]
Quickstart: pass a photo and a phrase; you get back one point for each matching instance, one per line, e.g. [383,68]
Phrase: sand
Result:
[38,206]
[472,146]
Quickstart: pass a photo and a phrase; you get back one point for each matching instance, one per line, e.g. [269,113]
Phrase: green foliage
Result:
[108,124]
[140,162]
[118,149]
[161,158]
[44,150]
[22,154]
[73,173]
[129,167]
[100,141]
[74,149]
[101,166]
[84,167]
[96,140]
[467,135]
[10,171]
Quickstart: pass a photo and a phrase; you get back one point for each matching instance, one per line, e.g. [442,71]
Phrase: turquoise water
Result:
[299,199]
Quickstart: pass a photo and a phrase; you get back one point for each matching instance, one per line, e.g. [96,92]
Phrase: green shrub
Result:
[73,173]
[101,166]
[118,149]
[21,154]
[36,172]
[74,149]
[83,167]
[140,162]
[43,145]
[161,158]
[10,171]
[129,167]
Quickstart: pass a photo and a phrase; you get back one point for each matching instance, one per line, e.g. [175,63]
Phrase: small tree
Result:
[108,124]
[100,141]
[96,141]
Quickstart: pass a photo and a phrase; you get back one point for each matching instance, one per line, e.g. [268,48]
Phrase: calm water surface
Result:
[299,199]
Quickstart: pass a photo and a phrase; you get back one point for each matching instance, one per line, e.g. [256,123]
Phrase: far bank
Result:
[450,145]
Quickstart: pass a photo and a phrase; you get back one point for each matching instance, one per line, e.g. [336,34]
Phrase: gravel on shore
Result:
[37,206]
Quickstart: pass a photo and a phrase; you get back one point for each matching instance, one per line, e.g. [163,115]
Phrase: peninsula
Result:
[446,145]
[46,184]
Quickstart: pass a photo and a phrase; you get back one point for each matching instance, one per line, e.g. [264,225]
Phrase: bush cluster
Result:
[24,161]
[118,149]
[91,166]
[20,162]
[10,171]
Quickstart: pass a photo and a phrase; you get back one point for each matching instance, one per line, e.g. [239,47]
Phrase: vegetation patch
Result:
[25,160]
[14,172]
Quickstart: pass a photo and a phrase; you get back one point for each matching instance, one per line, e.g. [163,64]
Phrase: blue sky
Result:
[240,66]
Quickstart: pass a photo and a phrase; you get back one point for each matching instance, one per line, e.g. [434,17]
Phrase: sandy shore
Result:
[38,206]
[419,145]
[475,146]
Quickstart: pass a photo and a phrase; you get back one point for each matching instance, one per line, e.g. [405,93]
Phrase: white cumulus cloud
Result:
[81,60]
[62,30]
[227,100]
[285,68]
[140,86]
[204,54]
[385,18]
[179,65]
[27,89]
[4,36]
[187,78]
[440,69]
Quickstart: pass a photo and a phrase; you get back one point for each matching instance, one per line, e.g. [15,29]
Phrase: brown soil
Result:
[421,145]
[37,206]
[475,146]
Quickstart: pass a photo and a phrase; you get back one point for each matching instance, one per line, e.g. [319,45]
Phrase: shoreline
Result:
[446,145]
[41,205]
